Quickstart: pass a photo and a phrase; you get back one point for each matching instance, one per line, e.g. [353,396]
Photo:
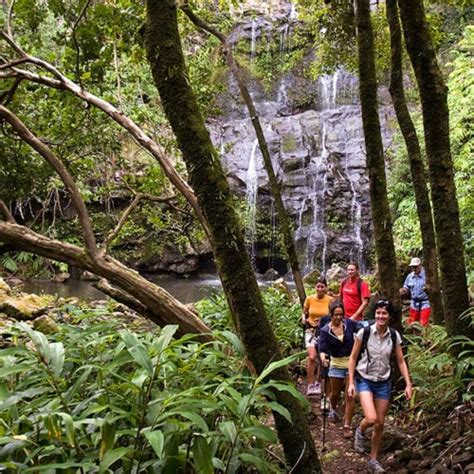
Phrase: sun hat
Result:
[414,262]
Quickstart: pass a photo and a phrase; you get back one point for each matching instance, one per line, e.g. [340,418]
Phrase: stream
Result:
[186,291]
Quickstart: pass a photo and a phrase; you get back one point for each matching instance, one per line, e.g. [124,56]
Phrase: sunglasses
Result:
[382,303]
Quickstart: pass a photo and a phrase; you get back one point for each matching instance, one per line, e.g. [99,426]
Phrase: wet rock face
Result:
[318,153]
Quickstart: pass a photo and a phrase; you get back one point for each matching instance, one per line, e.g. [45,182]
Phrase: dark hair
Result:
[355,265]
[322,280]
[387,304]
[334,305]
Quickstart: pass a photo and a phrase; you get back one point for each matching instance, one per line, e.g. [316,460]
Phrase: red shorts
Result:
[422,316]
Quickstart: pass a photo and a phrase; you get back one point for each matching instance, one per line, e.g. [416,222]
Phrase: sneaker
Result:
[374,466]
[332,417]
[313,389]
[325,404]
[359,441]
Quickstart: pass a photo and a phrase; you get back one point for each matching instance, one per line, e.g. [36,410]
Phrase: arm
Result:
[305,313]
[360,309]
[352,365]
[324,349]
[402,365]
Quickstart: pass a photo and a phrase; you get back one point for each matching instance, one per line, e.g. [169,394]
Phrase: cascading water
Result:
[253,40]
[251,197]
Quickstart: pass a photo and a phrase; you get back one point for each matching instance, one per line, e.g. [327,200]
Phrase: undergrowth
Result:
[97,397]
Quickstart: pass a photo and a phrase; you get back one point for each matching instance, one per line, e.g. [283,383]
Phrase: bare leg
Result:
[348,405]
[381,407]
[311,364]
[370,413]
[336,387]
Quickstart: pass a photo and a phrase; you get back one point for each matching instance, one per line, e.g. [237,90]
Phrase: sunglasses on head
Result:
[382,303]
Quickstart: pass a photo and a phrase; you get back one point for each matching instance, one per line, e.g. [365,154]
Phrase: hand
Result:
[351,391]
[408,391]
[325,361]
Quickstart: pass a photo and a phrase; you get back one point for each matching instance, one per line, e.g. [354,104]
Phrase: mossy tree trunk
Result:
[434,103]
[275,187]
[163,46]
[381,219]
[422,198]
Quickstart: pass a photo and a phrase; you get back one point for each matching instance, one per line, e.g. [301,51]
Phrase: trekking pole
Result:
[325,381]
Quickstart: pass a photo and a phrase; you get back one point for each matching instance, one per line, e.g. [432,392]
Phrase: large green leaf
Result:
[202,455]
[56,357]
[156,440]
[261,432]
[229,429]
[138,351]
[113,456]
[164,340]
[276,365]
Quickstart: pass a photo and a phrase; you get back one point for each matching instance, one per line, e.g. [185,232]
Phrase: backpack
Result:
[359,287]
[365,339]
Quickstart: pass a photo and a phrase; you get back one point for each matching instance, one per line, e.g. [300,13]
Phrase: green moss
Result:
[288,143]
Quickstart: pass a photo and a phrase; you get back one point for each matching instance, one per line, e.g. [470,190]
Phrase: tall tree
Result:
[422,197]
[433,95]
[382,221]
[164,52]
[263,145]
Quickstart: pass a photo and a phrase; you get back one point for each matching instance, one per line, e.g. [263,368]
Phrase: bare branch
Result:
[13,63]
[6,212]
[122,220]
[62,171]
[7,96]
[76,44]
[10,15]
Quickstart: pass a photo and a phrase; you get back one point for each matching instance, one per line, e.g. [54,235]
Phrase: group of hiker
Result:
[346,352]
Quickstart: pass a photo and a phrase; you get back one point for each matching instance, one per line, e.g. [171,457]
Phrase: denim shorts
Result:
[337,373]
[380,390]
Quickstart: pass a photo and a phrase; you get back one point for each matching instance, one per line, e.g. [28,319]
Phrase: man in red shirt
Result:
[354,293]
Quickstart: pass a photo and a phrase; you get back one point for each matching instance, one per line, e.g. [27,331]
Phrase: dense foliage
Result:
[100,395]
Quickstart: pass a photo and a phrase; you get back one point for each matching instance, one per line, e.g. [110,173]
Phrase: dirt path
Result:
[338,455]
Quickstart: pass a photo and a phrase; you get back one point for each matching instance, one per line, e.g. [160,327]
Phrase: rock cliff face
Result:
[318,153]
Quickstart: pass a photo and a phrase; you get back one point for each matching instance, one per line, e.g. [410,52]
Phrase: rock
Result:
[4,288]
[25,306]
[60,277]
[282,287]
[89,276]
[311,277]
[45,324]
[14,281]
[271,274]
[336,273]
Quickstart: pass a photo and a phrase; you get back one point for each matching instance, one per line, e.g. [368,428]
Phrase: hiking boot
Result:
[332,417]
[374,466]
[313,389]
[325,404]
[359,442]
[347,432]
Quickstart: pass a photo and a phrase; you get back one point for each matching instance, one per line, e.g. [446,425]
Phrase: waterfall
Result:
[253,40]
[251,197]
[355,253]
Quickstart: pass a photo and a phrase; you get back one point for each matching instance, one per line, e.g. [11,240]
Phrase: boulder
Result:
[4,287]
[45,324]
[61,277]
[271,274]
[336,273]
[25,306]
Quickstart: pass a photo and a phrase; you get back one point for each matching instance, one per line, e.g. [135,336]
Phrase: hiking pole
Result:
[325,381]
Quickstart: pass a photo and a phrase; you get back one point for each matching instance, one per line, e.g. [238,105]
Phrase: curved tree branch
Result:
[161,307]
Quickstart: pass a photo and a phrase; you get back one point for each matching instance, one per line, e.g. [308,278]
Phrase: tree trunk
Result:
[417,170]
[161,307]
[382,221]
[434,103]
[165,55]
[262,143]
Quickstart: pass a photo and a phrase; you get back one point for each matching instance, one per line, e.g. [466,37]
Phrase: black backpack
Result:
[365,338]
